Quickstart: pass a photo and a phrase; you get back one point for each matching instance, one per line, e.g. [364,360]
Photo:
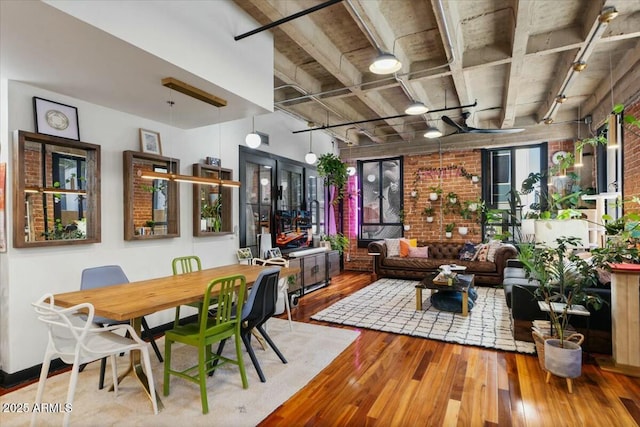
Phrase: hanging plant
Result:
[334,171]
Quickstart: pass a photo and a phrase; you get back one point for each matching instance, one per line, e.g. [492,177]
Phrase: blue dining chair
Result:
[108,275]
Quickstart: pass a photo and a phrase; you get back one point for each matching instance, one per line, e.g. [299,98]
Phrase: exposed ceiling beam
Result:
[463,142]
[316,43]
[549,107]
[448,17]
[520,36]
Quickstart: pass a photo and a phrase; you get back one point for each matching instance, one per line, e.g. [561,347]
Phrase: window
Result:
[507,169]
[381,201]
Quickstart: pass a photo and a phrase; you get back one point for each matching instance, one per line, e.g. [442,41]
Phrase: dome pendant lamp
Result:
[416,108]
[310,157]
[385,63]
[432,132]
[252,139]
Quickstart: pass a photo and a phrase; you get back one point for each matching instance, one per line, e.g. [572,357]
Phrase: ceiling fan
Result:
[463,128]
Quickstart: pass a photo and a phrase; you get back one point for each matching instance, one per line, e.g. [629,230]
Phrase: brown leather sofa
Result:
[486,272]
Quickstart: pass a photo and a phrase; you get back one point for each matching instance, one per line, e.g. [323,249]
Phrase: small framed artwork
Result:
[53,118]
[150,142]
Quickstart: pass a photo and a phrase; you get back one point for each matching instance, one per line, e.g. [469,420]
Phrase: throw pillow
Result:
[405,244]
[467,252]
[481,252]
[393,247]
[419,252]
[494,245]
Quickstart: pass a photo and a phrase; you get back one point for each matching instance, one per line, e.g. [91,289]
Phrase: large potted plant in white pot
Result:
[563,279]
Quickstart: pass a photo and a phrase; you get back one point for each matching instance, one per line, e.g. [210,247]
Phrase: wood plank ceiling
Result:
[512,57]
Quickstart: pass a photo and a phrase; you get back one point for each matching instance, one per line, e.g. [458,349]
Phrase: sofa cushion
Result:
[493,246]
[405,244]
[393,247]
[467,252]
[419,252]
[482,250]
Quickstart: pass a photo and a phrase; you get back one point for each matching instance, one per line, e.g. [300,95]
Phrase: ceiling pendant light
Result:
[252,139]
[432,132]
[416,108]
[385,63]
[310,157]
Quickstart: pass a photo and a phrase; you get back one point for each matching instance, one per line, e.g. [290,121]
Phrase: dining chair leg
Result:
[167,366]
[152,340]
[44,372]
[219,353]
[114,372]
[203,378]
[71,391]
[246,338]
[103,366]
[288,307]
[271,343]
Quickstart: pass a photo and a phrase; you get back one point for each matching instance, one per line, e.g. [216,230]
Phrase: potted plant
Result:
[428,212]
[453,197]
[212,214]
[151,224]
[334,171]
[449,229]
[434,192]
[406,227]
[563,279]
[463,231]
[338,242]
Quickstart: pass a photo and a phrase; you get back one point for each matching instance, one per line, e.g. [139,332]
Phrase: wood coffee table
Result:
[461,284]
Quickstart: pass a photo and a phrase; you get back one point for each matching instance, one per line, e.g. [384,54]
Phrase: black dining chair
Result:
[259,308]
[108,275]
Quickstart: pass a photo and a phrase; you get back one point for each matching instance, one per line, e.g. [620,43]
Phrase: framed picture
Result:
[53,118]
[150,142]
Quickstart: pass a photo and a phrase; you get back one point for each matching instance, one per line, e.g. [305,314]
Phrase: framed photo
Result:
[150,142]
[53,118]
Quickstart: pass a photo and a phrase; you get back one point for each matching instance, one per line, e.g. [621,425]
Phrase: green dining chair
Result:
[181,265]
[229,292]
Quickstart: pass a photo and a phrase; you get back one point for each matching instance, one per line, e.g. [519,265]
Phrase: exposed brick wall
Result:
[420,173]
[143,199]
[631,160]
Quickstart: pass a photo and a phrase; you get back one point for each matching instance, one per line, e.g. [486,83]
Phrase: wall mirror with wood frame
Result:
[151,205]
[212,204]
[56,191]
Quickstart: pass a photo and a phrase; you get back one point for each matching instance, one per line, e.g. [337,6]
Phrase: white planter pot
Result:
[414,193]
[406,227]
[564,361]
[429,219]
[475,178]
[448,234]
[433,196]
[453,200]
[463,230]
[473,207]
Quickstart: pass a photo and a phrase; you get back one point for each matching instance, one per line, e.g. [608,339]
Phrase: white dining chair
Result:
[283,283]
[74,338]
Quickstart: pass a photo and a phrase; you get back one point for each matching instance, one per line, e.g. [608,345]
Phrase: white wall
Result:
[181,32]
[28,273]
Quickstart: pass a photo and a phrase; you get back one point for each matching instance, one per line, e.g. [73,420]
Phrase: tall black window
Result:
[506,169]
[381,202]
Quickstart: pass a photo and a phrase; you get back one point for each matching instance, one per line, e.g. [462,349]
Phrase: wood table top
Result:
[135,299]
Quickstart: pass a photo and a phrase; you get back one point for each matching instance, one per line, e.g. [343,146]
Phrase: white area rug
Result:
[308,349]
[390,305]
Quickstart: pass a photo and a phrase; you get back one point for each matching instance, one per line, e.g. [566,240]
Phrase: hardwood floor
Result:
[395,380]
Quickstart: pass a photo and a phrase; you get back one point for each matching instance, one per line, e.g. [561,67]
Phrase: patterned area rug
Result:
[389,305]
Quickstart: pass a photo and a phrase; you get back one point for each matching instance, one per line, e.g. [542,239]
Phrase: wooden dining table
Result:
[130,301]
